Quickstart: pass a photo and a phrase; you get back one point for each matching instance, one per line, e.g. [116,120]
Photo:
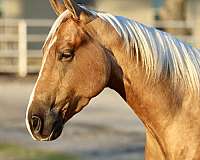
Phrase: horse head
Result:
[75,68]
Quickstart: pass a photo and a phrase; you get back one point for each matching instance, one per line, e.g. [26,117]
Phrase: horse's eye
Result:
[66,56]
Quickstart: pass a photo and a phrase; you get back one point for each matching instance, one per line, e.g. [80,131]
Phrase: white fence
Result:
[16,55]
[16,38]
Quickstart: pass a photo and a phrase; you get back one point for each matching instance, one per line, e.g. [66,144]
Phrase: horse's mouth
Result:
[50,126]
[55,133]
[57,129]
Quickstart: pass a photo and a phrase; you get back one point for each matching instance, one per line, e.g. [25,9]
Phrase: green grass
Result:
[13,152]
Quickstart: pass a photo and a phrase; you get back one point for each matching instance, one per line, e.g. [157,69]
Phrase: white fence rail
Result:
[17,37]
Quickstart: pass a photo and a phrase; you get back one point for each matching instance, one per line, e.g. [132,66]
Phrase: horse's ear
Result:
[74,8]
[78,12]
[58,7]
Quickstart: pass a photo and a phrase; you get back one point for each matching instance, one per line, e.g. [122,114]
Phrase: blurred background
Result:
[107,129]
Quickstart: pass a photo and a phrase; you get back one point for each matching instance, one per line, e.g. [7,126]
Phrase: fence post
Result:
[22,49]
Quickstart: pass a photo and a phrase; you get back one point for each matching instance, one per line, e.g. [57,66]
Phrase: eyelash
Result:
[66,56]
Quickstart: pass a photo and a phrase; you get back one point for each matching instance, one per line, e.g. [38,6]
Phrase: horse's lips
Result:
[56,131]
[58,125]
[51,136]
[55,134]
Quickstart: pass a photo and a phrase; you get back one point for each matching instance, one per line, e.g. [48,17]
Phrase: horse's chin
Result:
[55,134]
[52,137]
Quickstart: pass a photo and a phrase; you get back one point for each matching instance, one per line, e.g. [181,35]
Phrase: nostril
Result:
[36,124]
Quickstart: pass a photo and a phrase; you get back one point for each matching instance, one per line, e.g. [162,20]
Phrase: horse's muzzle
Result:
[56,132]
[46,128]
[36,124]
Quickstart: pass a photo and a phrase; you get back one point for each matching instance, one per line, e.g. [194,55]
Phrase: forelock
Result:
[55,27]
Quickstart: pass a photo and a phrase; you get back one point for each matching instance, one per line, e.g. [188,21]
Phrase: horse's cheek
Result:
[99,81]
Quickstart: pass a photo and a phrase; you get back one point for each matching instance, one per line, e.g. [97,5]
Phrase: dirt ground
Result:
[106,130]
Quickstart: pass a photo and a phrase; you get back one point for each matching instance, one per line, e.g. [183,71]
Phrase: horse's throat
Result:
[143,99]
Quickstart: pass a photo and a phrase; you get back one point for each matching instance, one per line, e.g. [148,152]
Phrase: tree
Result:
[174,10]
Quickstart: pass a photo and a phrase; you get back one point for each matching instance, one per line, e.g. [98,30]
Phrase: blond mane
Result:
[160,53]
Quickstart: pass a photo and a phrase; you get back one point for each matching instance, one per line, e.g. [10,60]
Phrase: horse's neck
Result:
[128,78]
[150,102]
[128,75]
[164,111]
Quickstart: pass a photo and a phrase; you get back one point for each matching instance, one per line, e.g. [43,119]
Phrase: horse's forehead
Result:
[67,29]
[59,33]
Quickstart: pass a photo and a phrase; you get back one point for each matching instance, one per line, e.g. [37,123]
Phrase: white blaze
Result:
[33,92]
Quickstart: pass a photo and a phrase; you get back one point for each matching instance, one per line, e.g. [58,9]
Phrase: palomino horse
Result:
[156,74]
